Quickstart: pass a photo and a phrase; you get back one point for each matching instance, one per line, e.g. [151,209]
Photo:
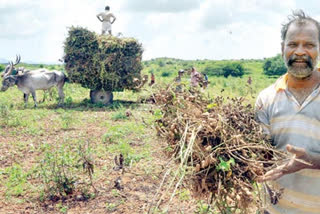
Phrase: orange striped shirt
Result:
[288,122]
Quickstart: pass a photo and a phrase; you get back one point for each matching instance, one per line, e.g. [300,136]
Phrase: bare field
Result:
[32,140]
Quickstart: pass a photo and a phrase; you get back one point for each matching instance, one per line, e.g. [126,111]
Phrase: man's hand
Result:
[99,18]
[114,19]
[299,160]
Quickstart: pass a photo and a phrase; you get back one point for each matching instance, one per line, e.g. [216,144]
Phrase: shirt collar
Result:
[281,84]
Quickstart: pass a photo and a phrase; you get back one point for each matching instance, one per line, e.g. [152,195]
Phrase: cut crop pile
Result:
[102,61]
[222,146]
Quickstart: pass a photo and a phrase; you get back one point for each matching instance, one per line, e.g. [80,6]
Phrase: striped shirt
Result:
[288,122]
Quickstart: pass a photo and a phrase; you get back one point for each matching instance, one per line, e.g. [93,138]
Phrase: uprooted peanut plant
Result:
[219,145]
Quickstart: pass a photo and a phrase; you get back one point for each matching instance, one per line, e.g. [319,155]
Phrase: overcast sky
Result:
[184,29]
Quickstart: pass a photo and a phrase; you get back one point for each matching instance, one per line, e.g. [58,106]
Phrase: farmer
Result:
[249,81]
[152,79]
[205,81]
[249,87]
[289,111]
[105,18]
[195,77]
[178,80]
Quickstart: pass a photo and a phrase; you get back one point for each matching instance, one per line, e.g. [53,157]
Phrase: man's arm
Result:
[300,160]
[98,16]
[261,115]
[114,18]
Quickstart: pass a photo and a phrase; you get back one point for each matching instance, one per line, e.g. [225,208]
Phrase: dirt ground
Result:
[138,183]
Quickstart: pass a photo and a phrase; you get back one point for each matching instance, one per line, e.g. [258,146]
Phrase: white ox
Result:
[30,81]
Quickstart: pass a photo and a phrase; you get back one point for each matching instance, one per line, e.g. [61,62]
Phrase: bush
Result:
[63,170]
[234,69]
[165,74]
[274,66]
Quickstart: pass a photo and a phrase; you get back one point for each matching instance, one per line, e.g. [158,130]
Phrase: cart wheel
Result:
[100,96]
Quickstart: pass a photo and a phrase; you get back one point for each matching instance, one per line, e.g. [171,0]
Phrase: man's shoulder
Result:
[270,92]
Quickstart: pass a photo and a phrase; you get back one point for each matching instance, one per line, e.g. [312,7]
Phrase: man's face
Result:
[300,49]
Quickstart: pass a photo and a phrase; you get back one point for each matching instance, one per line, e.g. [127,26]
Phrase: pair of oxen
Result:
[28,81]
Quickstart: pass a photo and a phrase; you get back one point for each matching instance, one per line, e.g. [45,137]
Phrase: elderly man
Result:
[289,111]
[105,18]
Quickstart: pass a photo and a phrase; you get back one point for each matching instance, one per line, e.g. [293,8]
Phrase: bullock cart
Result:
[102,63]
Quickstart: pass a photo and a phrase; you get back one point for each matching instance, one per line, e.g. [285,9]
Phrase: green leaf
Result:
[157,114]
[211,105]
[225,165]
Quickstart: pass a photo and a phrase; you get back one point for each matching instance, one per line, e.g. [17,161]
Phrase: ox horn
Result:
[18,58]
[10,69]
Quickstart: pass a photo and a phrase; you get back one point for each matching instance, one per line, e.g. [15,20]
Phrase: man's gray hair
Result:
[299,17]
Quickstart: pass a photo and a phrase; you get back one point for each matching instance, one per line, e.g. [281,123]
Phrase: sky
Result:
[183,29]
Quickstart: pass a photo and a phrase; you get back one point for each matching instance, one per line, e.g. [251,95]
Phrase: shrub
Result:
[274,66]
[63,170]
[234,69]
[166,74]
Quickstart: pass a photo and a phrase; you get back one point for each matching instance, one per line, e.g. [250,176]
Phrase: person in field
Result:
[178,80]
[289,112]
[107,19]
[205,81]
[153,79]
[249,81]
[195,77]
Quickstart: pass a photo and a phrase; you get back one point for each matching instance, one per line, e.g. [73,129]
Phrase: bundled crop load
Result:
[219,143]
[100,62]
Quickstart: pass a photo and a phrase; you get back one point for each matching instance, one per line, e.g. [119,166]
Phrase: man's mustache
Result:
[306,59]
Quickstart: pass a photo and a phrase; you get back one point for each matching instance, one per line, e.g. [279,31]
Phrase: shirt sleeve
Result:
[261,115]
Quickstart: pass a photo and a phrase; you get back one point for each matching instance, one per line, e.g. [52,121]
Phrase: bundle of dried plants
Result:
[221,147]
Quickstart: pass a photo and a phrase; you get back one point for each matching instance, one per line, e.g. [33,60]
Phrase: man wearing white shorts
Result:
[105,18]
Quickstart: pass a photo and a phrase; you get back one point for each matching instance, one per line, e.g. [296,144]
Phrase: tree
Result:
[274,66]
[234,69]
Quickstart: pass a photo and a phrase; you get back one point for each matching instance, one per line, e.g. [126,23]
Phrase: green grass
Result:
[15,180]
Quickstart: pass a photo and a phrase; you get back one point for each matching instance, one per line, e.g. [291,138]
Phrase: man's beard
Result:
[304,69]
